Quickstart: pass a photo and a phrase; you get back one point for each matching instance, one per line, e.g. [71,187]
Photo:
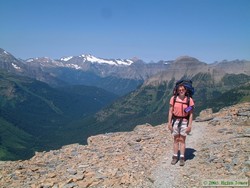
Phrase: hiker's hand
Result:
[188,130]
[170,127]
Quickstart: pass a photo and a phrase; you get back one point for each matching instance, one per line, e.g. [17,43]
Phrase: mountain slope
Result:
[44,112]
[17,66]
[113,84]
[186,66]
[117,76]
[14,142]
[62,115]
[149,103]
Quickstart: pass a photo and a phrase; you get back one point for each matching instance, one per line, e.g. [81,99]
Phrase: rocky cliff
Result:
[190,67]
[217,148]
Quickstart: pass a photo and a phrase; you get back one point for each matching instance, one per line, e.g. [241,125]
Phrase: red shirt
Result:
[180,105]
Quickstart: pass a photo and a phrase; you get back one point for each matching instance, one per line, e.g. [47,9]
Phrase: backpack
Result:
[187,84]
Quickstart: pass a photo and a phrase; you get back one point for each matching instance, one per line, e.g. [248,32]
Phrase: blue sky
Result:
[209,30]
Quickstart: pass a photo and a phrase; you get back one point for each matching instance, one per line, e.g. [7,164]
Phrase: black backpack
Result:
[187,84]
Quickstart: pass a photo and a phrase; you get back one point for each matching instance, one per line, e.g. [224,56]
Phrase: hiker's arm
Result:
[190,120]
[170,115]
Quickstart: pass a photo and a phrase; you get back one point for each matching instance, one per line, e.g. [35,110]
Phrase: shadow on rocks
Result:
[189,153]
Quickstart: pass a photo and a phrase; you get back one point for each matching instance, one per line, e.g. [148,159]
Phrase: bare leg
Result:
[176,144]
[182,141]
[176,149]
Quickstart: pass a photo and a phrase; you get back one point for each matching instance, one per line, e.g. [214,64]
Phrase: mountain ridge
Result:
[151,99]
[90,70]
[97,72]
[188,67]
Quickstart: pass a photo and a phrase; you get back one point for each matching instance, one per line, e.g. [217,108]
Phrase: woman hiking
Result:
[180,118]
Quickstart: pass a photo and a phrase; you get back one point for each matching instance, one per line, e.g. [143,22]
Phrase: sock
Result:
[175,155]
[182,156]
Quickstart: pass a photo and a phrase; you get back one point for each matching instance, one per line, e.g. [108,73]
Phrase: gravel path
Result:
[167,175]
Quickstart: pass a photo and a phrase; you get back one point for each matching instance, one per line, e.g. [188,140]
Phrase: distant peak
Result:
[93,59]
[2,51]
[185,58]
[134,59]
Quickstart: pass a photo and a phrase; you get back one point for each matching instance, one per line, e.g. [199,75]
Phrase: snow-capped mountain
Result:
[13,65]
[134,69]
[10,63]
[77,62]
[119,76]
[93,59]
[116,75]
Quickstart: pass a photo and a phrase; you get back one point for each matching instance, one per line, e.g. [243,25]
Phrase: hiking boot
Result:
[182,161]
[174,160]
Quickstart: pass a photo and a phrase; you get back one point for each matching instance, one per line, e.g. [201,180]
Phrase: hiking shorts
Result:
[179,130]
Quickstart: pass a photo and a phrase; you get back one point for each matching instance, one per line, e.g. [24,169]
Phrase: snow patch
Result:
[29,60]
[66,58]
[93,59]
[124,62]
[98,60]
[74,66]
[16,67]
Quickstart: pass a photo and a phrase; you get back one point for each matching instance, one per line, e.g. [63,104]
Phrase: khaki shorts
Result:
[179,130]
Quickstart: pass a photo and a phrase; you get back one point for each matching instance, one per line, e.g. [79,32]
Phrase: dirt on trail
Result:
[167,175]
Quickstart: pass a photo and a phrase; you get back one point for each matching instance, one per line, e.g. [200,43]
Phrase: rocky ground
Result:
[217,149]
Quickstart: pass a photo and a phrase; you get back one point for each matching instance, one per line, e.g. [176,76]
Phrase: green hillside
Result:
[149,104]
[14,142]
[36,117]
[38,111]
[239,94]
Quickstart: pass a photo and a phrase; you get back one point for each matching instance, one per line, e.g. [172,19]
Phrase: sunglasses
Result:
[181,90]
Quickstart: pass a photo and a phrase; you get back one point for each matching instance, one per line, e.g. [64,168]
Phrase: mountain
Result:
[186,66]
[49,103]
[39,115]
[17,66]
[215,87]
[114,75]
[119,76]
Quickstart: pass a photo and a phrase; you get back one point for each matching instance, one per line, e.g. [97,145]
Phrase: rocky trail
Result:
[167,175]
[218,152]
[217,149]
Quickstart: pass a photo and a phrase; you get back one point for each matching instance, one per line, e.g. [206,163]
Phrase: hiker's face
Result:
[181,90]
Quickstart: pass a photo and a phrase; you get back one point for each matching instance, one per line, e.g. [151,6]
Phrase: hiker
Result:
[180,121]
